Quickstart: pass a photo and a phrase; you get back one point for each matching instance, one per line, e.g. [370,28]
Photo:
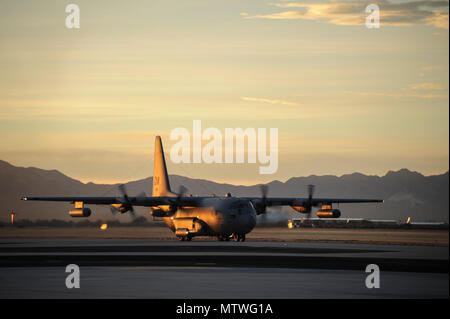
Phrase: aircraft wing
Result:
[156,201]
[320,201]
[292,201]
[135,201]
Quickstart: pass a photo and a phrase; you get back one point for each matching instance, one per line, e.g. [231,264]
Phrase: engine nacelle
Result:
[187,224]
[300,209]
[181,232]
[83,212]
[329,213]
[159,212]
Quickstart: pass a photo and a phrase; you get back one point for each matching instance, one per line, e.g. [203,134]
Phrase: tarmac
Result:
[139,268]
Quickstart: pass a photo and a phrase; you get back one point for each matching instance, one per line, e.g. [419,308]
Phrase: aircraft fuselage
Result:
[221,217]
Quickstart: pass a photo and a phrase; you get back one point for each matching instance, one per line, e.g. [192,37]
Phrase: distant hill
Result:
[424,198]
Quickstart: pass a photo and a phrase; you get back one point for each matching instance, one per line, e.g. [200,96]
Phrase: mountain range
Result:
[406,193]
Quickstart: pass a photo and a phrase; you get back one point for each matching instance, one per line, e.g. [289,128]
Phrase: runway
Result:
[125,268]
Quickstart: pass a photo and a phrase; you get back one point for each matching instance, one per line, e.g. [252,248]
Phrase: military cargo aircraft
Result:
[225,217]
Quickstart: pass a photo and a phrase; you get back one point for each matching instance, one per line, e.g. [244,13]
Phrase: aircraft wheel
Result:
[236,237]
[181,238]
[242,237]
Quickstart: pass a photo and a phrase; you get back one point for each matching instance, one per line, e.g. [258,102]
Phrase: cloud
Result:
[427,86]
[431,67]
[439,19]
[269,101]
[402,94]
[353,12]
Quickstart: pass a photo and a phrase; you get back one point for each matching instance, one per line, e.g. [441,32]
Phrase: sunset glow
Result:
[89,102]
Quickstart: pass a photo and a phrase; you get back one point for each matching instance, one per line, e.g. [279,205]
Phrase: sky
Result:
[345,98]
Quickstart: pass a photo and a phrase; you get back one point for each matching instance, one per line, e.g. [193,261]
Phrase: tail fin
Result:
[161,186]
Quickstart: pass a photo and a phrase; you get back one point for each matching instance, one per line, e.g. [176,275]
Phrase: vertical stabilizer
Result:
[161,186]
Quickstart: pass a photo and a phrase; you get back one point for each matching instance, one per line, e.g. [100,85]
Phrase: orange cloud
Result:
[427,86]
[353,12]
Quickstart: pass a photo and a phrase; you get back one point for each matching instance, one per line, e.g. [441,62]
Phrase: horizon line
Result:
[112,182]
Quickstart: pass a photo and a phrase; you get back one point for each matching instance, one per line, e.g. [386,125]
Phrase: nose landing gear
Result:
[184,238]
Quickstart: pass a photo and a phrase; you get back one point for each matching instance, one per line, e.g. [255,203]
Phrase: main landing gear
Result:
[238,237]
[184,238]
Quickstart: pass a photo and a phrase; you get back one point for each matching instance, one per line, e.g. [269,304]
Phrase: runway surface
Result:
[125,268]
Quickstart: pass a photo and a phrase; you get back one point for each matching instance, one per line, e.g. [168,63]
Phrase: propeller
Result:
[141,197]
[262,205]
[264,190]
[309,203]
[125,203]
[181,191]
[176,203]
